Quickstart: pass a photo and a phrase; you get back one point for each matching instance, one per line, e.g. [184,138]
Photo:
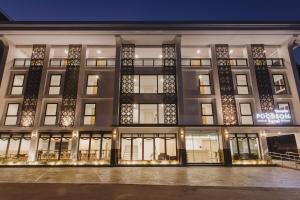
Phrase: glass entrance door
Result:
[146,148]
[202,147]
[244,146]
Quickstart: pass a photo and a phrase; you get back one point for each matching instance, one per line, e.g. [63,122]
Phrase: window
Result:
[148,113]
[204,84]
[17,85]
[242,84]
[150,84]
[89,114]
[246,113]
[284,106]
[92,84]
[207,113]
[51,114]
[12,114]
[55,82]
[279,84]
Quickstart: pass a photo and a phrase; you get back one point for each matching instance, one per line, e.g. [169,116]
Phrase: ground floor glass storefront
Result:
[245,146]
[94,146]
[14,146]
[54,146]
[202,147]
[160,148]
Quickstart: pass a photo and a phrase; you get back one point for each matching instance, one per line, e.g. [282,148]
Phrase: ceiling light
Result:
[99,51]
[160,56]
[198,51]
[231,51]
[136,56]
[66,51]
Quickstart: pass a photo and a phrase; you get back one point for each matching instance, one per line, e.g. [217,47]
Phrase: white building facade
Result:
[147,93]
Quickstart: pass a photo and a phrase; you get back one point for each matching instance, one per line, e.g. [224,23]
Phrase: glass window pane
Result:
[148,84]
[148,149]
[204,79]
[12,109]
[55,80]
[148,114]
[160,149]
[11,121]
[13,147]
[106,148]
[247,120]
[16,90]
[137,149]
[91,90]
[18,80]
[126,149]
[135,113]
[206,109]
[54,90]
[241,80]
[50,120]
[51,109]
[246,109]
[92,80]
[90,109]
[136,81]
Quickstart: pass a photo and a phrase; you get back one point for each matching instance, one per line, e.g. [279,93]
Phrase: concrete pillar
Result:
[117,87]
[74,147]
[115,147]
[182,156]
[263,145]
[226,147]
[216,84]
[180,104]
[32,154]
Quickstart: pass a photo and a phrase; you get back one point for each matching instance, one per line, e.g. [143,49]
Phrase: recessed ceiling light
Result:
[231,51]
[99,51]
[66,51]
[136,56]
[160,56]
[198,51]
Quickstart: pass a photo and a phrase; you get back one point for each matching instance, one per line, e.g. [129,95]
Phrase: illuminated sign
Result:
[276,117]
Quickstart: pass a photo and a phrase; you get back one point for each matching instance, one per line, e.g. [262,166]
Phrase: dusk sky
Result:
[98,10]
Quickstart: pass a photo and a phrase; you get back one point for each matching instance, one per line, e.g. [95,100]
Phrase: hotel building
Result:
[121,94]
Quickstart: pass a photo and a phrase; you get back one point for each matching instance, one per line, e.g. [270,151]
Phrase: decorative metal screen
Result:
[126,114]
[170,114]
[226,85]
[127,83]
[33,85]
[263,79]
[68,107]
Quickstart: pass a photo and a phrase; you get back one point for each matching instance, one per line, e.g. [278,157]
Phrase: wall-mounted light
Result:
[75,134]
[181,132]
[226,134]
[114,133]
[34,133]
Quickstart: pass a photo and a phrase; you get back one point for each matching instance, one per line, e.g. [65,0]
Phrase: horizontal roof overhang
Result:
[148,25]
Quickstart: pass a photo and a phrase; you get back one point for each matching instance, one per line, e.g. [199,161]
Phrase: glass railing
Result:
[234,62]
[100,62]
[148,62]
[58,62]
[270,62]
[22,62]
[196,62]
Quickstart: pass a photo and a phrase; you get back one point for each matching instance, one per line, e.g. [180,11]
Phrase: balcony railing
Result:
[100,62]
[270,62]
[234,62]
[22,62]
[196,62]
[58,62]
[148,62]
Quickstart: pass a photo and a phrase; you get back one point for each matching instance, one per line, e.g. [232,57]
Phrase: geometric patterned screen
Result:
[169,83]
[68,107]
[33,85]
[263,79]
[226,85]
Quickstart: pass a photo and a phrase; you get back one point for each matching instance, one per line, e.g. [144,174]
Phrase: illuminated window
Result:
[55,83]
[17,85]
[279,84]
[92,84]
[204,84]
[246,113]
[207,116]
[51,114]
[242,84]
[12,114]
[89,114]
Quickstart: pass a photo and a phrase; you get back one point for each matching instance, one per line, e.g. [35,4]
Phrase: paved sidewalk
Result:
[267,177]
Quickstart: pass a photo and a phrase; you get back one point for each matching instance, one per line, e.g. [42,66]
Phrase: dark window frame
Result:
[242,86]
[212,113]
[241,114]
[280,85]
[84,115]
[17,115]
[205,86]
[91,86]
[55,86]
[56,115]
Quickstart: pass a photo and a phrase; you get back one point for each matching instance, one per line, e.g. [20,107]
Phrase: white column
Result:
[33,146]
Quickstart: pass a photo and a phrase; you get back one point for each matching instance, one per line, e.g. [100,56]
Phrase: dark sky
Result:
[97,10]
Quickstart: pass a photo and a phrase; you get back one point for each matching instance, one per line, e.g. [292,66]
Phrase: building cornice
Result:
[149,25]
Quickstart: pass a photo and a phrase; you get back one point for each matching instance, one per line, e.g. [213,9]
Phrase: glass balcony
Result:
[21,62]
[196,62]
[100,62]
